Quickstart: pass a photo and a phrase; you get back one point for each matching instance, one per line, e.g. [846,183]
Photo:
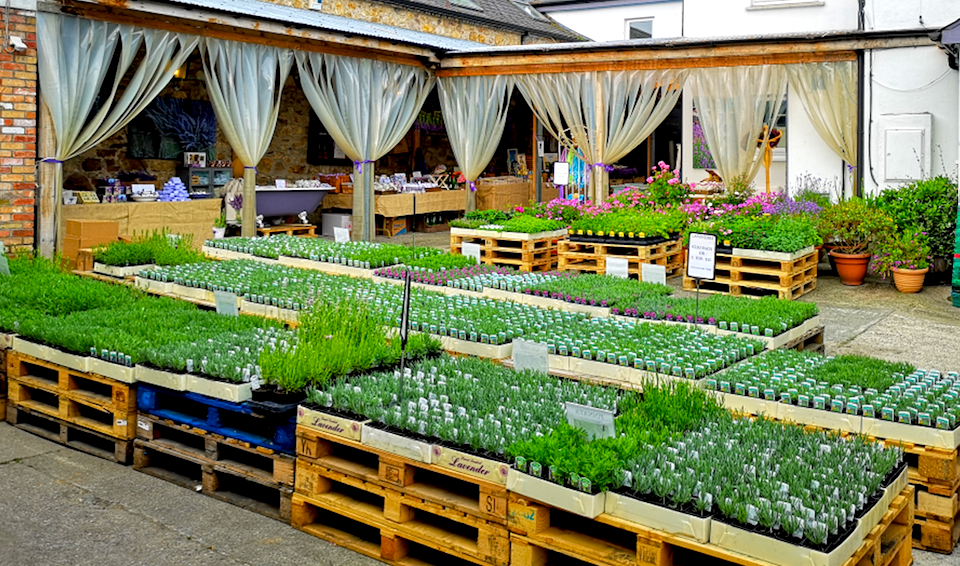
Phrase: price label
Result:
[561,173]
[472,250]
[530,355]
[341,235]
[597,423]
[226,303]
[280,183]
[650,273]
[618,267]
[702,259]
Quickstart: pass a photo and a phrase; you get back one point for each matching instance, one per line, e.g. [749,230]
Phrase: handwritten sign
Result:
[472,250]
[597,423]
[226,303]
[561,173]
[618,267]
[530,355]
[341,235]
[702,260]
[650,273]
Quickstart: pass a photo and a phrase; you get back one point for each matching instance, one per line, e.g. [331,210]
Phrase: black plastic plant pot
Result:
[271,401]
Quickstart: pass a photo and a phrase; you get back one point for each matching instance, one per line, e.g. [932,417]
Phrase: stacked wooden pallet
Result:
[303,230]
[394,508]
[526,252]
[936,475]
[226,450]
[787,276]
[5,342]
[83,410]
[592,257]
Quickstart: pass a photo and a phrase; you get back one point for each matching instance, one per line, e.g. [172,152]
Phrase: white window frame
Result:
[773,4]
[315,5]
[628,21]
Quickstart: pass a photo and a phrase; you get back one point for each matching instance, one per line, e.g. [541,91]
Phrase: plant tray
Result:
[466,493]
[471,465]
[396,444]
[657,517]
[330,424]
[520,236]
[120,272]
[239,421]
[555,495]
[6,341]
[544,302]
[772,256]
[325,267]
[71,435]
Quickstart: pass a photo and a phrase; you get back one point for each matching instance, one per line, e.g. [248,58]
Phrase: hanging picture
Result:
[321,149]
[171,126]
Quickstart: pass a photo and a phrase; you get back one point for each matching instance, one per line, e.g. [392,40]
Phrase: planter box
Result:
[749,405]
[473,466]
[396,444]
[330,424]
[783,553]
[572,501]
[544,302]
[826,419]
[174,381]
[38,351]
[72,361]
[195,293]
[233,392]
[521,236]
[656,517]
[6,341]
[122,374]
[325,267]
[603,370]
[775,256]
[873,517]
[932,437]
[219,253]
[160,287]
[120,272]
[490,351]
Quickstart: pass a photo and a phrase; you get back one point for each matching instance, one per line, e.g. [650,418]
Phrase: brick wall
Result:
[18,135]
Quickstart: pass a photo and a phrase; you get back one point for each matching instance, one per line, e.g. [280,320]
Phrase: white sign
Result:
[338,153]
[471,250]
[416,175]
[226,303]
[4,265]
[139,189]
[618,267]
[280,183]
[530,355]
[539,147]
[341,235]
[650,273]
[597,423]
[702,260]
[561,173]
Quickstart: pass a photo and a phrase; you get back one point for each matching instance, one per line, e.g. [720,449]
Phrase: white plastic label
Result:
[341,235]
[650,273]
[702,260]
[618,267]
[530,355]
[226,303]
[598,423]
[472,250]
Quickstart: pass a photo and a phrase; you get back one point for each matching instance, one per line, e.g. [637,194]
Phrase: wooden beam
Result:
[46,181]
[525,65]
[260,32]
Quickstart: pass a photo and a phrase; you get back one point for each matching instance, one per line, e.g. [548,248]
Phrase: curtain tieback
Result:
[359,164]
[473,187]
[51,160]
[245,167]
[608,168]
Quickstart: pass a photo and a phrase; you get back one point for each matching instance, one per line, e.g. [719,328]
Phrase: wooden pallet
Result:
[302,230]
[937,526]
[810,342]
[85,400]
[229,420]
[524,254]
[3,384]
[465,494]
[592,257]
[540,533]
[751,288]
[233,482]
[68,434]
[412,518]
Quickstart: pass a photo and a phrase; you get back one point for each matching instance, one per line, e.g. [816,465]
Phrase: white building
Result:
[909,96]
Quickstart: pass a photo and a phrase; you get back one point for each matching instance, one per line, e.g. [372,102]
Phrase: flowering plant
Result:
[908,250]
[664,186]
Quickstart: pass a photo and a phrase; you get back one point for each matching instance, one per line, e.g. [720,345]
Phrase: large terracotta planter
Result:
[852,268]
[909,280]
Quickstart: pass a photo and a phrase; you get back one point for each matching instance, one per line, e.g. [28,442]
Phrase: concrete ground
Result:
[63,507]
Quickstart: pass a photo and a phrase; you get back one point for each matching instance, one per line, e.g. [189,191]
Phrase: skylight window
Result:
[468,4]
[530,10]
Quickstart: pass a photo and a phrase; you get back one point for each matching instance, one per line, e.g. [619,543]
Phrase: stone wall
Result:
[18,135]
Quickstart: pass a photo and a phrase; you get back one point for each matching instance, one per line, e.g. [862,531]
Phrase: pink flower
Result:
[649,179]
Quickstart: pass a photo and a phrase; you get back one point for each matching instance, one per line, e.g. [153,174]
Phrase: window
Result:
[640,29]
[761,4]
[529,10]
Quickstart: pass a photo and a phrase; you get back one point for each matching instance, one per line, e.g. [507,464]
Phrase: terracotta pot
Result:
[909,280]
[852,268]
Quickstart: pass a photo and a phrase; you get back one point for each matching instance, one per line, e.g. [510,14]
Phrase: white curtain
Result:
[74,58]
[367,107]
[733,104]
[474,113]
[245,82]
[603,114]
[829,95]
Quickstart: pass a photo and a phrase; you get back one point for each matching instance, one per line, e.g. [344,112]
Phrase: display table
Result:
[406,204]
[190,217]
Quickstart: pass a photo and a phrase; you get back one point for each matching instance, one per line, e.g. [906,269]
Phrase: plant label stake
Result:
[702,262]
[341,235]
[618,267]
[404,332]
[597,423]
[471,250]
[530,355]
[651,273]
[226,303]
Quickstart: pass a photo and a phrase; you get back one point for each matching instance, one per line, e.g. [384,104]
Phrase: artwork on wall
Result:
[321,149]
[171,126]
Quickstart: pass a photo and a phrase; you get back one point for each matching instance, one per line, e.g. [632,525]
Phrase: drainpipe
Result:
[861,112]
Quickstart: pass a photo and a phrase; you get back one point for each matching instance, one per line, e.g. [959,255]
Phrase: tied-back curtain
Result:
[245,82]
[604,114]
[367,107]
[829,95]
[474,113]
[733,104]
[75,57]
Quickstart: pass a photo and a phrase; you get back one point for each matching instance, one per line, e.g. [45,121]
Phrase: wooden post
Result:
[364,211]
[536,172]
[49,217]
[248,214]
[599,174]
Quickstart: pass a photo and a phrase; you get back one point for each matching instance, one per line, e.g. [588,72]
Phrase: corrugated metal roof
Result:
[297,17]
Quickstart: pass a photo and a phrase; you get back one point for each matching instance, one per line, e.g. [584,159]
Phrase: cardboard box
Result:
[395,226]
[329,221]
[93,232]
[502,193]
